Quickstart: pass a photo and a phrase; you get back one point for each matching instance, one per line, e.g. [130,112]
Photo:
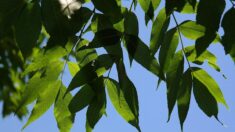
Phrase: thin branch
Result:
[181,41]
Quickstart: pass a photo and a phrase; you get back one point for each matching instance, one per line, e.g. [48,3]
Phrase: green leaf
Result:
[209,19]
[192,30]
[168,49]
[43,58]
[97,106]
[155,3]
[205,56]
[73,68]
[28,27]
[40,81]
[44,102]
[189,8]
[81,99]
[204,98]
[184,96]
[86,56]
[210,84]
[85,75]
[131,24]
[159,29]
[63,116]
[58,24]
[119,102]
[141,54]
[144,4]
[173,77]
[129,91]
[228,40]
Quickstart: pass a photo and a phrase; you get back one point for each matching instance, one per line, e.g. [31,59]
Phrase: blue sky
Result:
[153,105]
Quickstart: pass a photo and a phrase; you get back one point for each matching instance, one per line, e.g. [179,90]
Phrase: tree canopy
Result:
[40,39]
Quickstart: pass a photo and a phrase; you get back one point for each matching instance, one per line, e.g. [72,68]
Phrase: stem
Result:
[181,41]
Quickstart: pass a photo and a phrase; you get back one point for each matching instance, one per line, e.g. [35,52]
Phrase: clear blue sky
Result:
[153,105]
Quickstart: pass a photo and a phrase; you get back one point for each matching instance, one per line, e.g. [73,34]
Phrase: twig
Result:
[181,41]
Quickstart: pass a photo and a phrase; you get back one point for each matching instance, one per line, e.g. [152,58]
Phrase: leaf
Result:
[39,82]
[131,24]
[192,30]
[155,3]
[85,75]
[73,68]
[209,19]
[58,25]
[97,106]
[144,4]
[9,11]
[184,96]
[189,7]
[110,8]
[173,77]
[172,5]
[63,116]
[141,54]
[43,58]
[86,56]
[205,56]
[228,39]
[129,91]
[28,27]
[119,102]
[168,49]
[204,99]
[210,84]
[159,29]
[44,102]
[81,99]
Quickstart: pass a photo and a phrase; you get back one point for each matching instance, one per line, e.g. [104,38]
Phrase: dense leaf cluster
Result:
[40,39]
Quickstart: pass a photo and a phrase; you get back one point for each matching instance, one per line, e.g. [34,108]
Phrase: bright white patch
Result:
[69,7]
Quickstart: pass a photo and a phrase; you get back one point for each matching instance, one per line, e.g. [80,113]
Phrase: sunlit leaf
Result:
[210,84]
[44,102]
[63,116]
[159,28]
[119,102]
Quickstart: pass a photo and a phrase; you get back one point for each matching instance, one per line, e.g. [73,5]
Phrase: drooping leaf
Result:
[144,4]
[81,99]
[129,91]
[44,102]
[131,24]
[210,84]
[168,49]
[28,28]
[119,102]
[173,78]
[159,28]
[209,19]
[184,96]
[63,116]
[228,40]
[97,106]
[204,98]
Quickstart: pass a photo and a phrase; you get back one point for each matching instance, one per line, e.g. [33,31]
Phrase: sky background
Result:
[153,104]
